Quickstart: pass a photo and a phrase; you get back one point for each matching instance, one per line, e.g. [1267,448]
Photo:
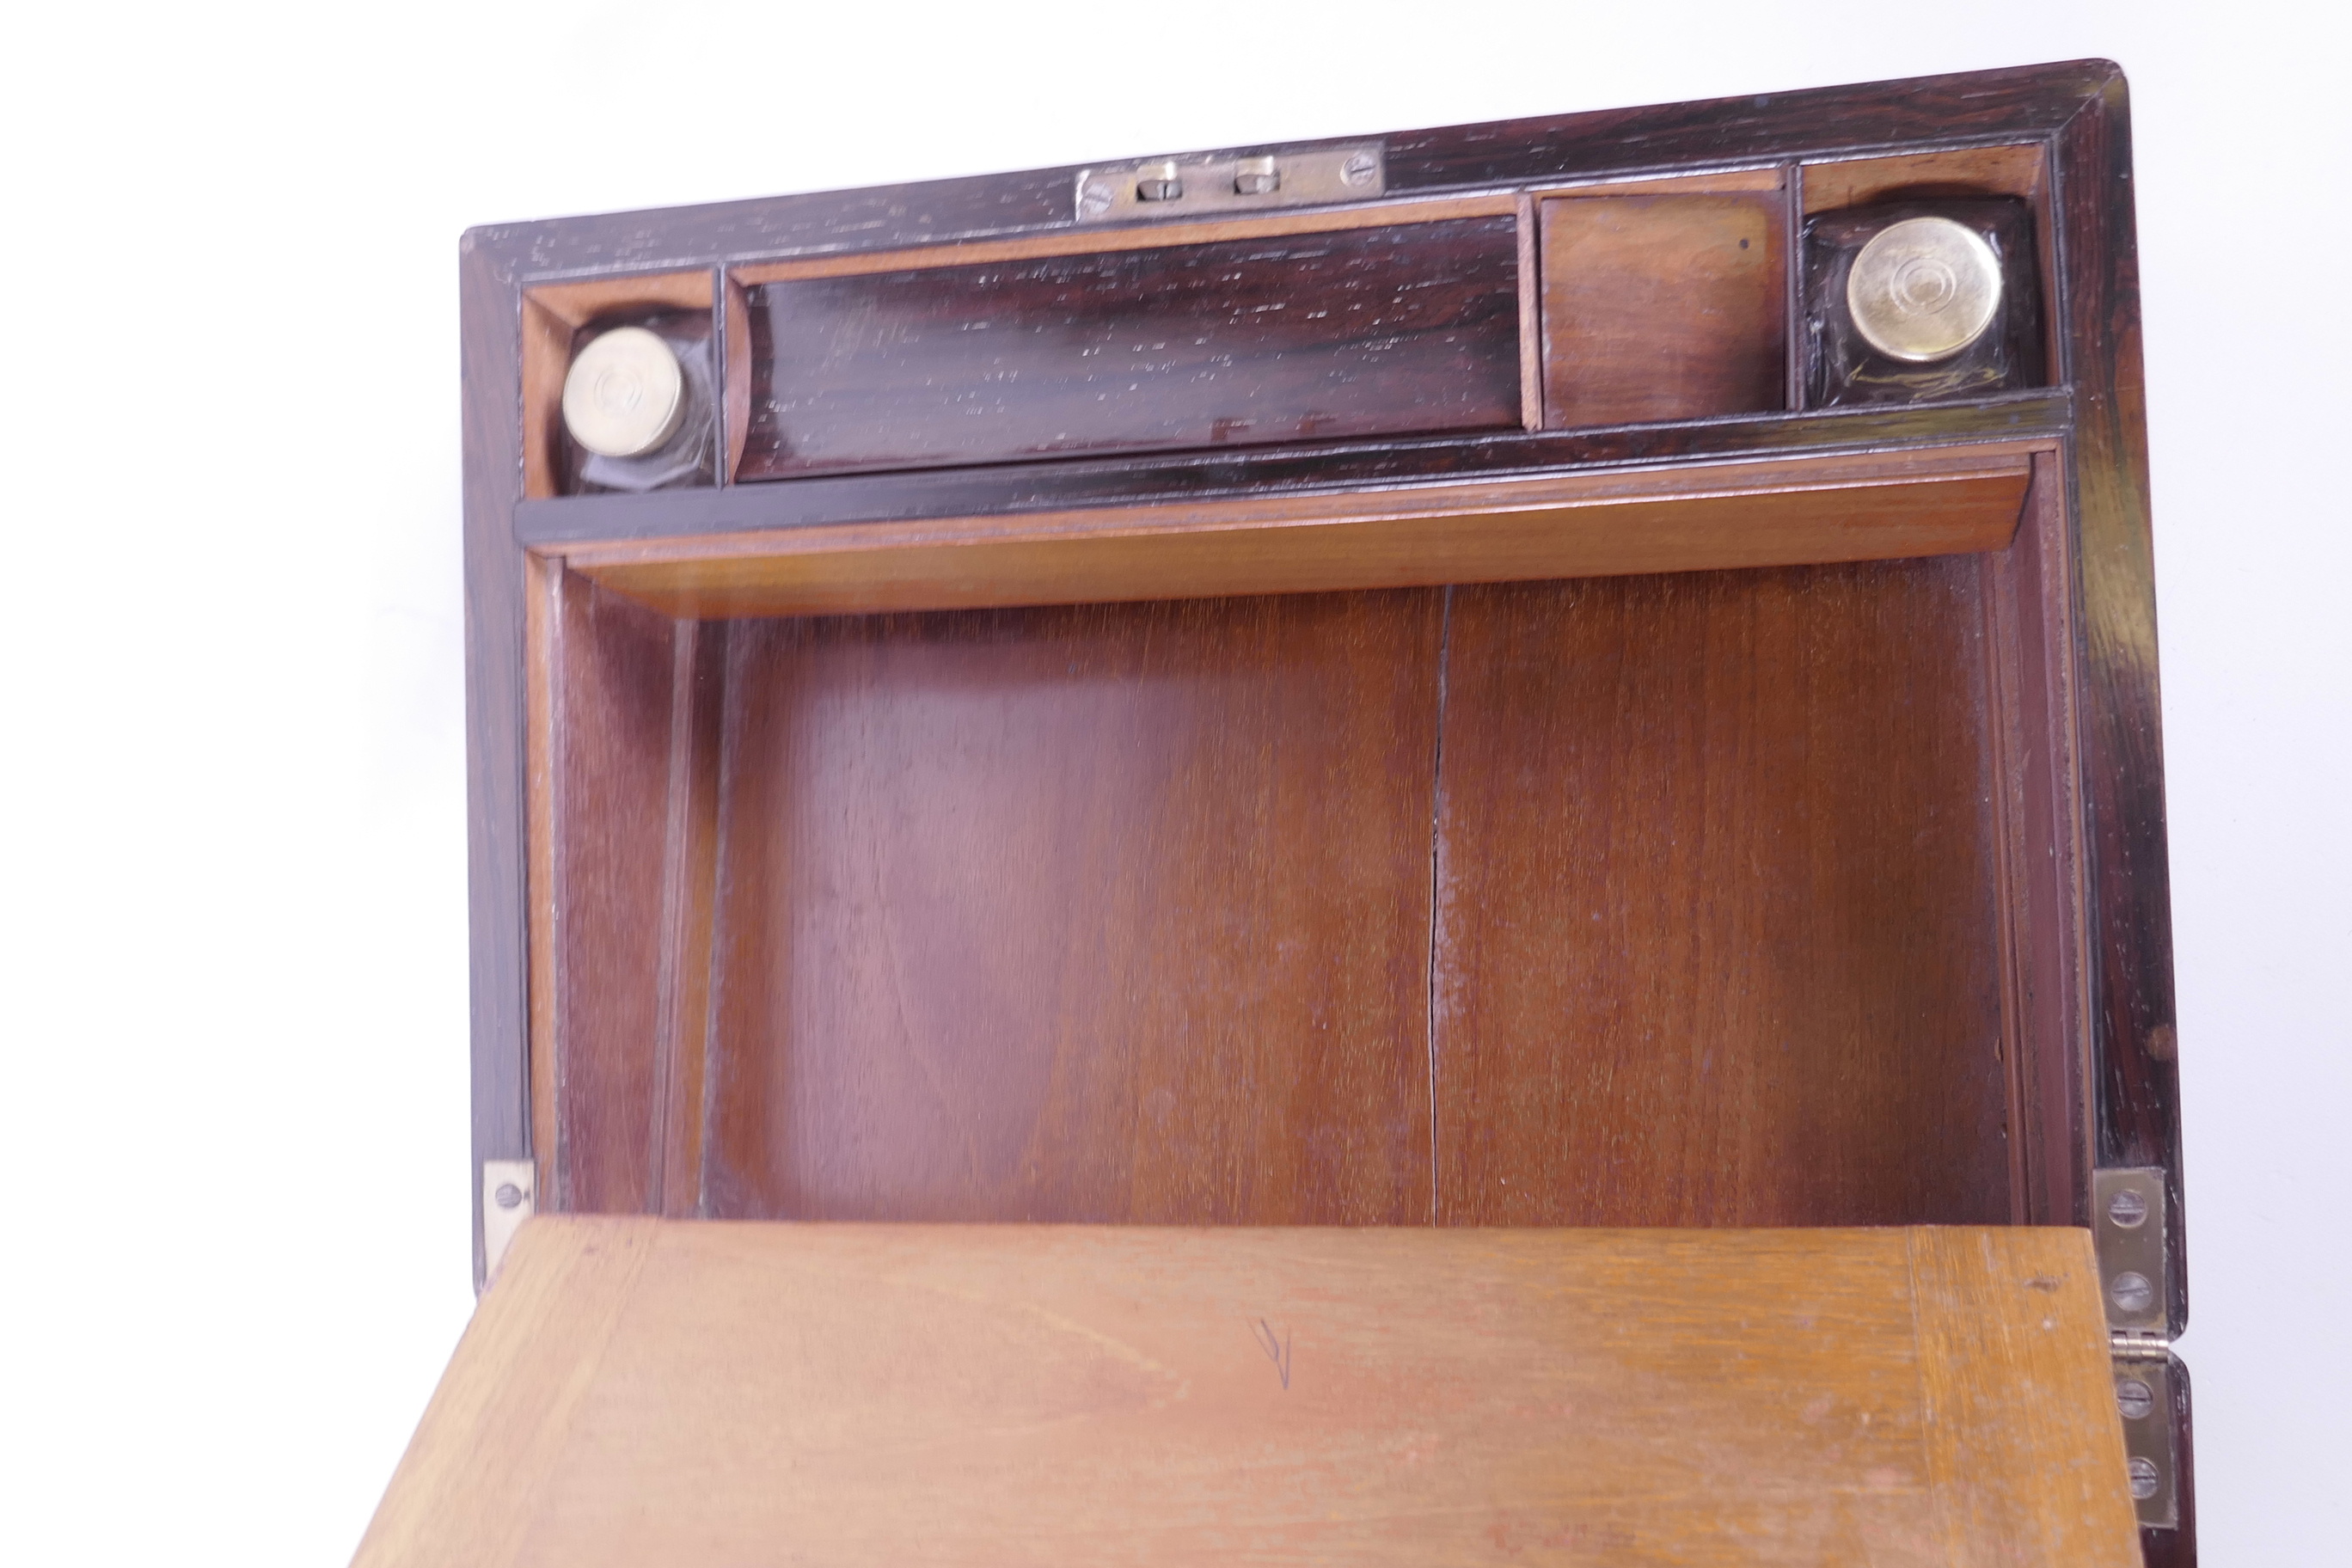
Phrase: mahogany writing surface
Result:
[638,1390]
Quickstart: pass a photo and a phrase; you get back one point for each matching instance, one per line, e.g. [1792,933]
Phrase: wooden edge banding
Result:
[543,623]
[2069,1089]
[2017,1399]
[1092,241]
[1792,254]
[577,304]
[2015,169]
[2006,746]
[546,355]
[1532,332]
[1715,183]
[496,1423]
[1478,497]
[735,348]
[1463,534]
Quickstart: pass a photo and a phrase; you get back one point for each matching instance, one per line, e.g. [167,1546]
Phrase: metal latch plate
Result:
[1187,186]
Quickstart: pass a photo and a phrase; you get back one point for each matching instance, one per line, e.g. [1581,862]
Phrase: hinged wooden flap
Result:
[637,1391]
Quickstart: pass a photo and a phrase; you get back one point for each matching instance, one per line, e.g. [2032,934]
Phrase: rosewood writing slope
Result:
[1440,848]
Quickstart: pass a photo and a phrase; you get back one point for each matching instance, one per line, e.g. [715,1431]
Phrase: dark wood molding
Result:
[1307,469]
[2022,103]
[2135,1087]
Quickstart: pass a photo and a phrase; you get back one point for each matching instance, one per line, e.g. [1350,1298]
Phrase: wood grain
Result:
[1409,328]
[1001,1395]
[1113,915]
[1878,508]
[1709,182]
[613,738]
[2038,1492]
[1663,307]
[1158,236]
[2019,168]
[2136,1084]
[1718,940]
[2031,607]
[2016,422]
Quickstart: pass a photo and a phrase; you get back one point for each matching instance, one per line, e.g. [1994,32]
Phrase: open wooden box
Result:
[1393,701]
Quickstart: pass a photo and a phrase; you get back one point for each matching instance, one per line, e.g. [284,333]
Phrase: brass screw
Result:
[2144,1478]
[2127,1209]
[1359,168]
[2131,1292]
[1095,199]
[508,1196]
[2134,1398]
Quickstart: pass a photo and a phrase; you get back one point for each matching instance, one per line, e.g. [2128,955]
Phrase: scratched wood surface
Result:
[639,1391]
[1409,328]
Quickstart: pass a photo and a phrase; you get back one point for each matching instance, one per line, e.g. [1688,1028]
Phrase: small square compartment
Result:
[559,321]
[1665,299]
[1995,193]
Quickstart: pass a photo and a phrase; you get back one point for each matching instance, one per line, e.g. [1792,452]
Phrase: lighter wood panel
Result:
[1663,307]
[1003,1395]
[2038,1492]
[1734,515]
[2018,170]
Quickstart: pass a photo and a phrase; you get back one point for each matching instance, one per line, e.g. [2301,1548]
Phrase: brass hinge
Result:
[2128,1219]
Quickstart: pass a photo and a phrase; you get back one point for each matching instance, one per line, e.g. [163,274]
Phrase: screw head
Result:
[2144,1478]
[508,1196]
[2134,1398]
[2127,1209]
[2131,1292]
[1095,198]
[1359,168]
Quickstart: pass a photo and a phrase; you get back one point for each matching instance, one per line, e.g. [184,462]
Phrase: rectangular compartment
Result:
[1666,304]
[1998,193]
[1644,900]
[559,316]
[1368,331]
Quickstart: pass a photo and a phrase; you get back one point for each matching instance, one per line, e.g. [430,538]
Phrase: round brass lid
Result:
[624,394]
[1924,288]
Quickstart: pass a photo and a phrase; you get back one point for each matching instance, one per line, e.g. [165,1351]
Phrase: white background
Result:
[232,964]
